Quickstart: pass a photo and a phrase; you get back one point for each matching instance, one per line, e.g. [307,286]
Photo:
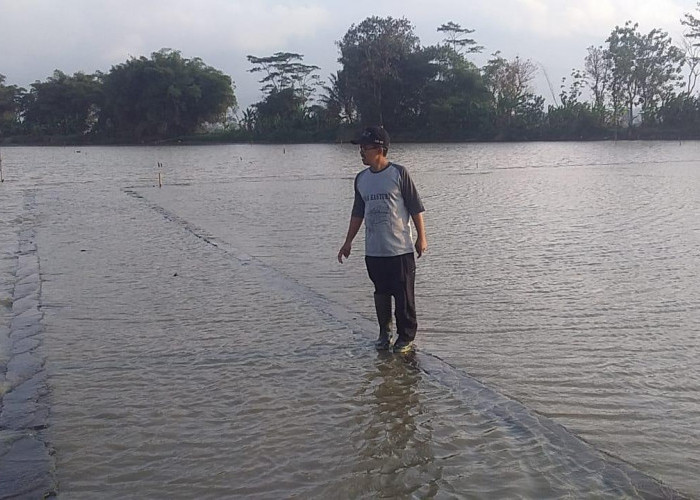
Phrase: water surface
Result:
[202,340]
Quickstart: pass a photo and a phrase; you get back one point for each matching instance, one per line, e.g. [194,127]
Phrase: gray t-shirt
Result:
[386,200]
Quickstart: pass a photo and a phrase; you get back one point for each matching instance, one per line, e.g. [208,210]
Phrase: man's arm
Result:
[355,225]
[421,241]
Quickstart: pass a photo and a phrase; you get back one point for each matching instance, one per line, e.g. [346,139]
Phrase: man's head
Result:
[374,141]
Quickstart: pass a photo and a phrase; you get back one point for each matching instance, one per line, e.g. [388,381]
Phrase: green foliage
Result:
[279,113]
[164,96]
[372,55]
[406,95]
[286,111]
[682,114]
[458,104]
[457,40]
[692,22]
[284,70]
[11,98]
[574,120]
[339,102]
[515,107]
[633,84]
[62,105]
[596,74]
[691,48]
[645,71]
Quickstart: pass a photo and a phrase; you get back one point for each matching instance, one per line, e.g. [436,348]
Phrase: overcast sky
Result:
[38,36]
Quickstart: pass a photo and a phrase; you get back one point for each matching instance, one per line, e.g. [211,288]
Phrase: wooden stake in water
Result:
[160,175]
[2,179]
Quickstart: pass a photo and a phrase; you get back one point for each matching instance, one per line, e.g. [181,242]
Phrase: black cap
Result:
[373,135]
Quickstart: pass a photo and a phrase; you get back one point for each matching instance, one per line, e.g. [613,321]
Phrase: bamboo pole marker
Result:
[160,175]
[2,179]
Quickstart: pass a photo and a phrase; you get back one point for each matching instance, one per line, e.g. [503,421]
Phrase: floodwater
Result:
[200,340]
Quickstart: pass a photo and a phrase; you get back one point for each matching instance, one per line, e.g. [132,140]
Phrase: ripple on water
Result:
[184,369]
[273,398]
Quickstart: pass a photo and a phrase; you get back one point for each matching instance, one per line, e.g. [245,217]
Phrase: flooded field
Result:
[200,340]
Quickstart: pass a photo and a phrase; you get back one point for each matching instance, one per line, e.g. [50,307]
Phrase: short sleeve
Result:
[358,206]
[410,195]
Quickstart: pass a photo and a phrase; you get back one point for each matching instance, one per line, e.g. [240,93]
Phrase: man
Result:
[385,198]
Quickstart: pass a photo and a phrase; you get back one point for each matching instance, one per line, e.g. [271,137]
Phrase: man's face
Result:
[370,153]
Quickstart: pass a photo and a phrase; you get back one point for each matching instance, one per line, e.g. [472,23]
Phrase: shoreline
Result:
[213,141]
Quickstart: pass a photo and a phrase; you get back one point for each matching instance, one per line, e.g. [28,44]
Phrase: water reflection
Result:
[396,447]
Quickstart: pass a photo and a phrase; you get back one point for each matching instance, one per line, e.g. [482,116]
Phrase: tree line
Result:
[634,85]
[142,99]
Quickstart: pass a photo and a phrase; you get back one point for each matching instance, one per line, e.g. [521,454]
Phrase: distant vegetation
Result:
[635,85]
[140,100]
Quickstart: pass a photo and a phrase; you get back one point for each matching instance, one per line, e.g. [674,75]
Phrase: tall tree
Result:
[164,96]
[11,97]
[284,70]
[457,39]
[691,46]
[597,75]
[63,105]
[458,102]
[288,85]
[645,69]
[660,65]
[406,96]
[691,53]
[510,84]
[371,54]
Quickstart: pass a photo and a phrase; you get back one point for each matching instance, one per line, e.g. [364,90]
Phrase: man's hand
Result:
[421,246]
[355,223]
[422,241]
[344,252]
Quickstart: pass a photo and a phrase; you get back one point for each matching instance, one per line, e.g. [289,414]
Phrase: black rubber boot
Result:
[382,304]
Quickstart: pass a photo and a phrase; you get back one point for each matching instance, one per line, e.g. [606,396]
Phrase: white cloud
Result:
[38,36]
[556,19]
[104,33]
[255,26]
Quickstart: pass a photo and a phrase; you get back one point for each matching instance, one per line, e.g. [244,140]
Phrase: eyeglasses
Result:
[368,147]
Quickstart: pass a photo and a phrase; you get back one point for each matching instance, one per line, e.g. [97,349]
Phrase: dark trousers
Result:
[397,276]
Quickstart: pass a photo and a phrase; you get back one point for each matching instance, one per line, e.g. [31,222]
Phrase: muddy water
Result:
[201,341]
